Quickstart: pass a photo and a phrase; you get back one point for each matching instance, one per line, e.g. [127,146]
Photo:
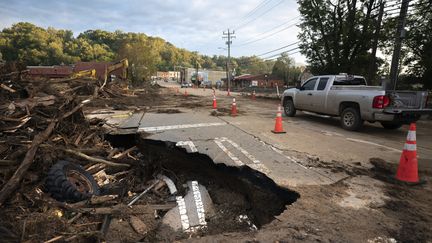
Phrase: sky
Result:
[260,26]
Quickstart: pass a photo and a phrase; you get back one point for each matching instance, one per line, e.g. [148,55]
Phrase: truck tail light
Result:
[380,102]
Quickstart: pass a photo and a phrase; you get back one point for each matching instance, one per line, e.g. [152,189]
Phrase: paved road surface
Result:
[320,136]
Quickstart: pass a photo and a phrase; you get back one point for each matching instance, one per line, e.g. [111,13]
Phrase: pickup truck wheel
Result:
[289,108]
[391,125]
[351,119]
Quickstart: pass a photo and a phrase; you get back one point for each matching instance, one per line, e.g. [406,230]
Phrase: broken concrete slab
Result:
[191,210]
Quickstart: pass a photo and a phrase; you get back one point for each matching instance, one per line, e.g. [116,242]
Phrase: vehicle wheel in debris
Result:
[351,119]
[289,108]
[391,125]
[69,182]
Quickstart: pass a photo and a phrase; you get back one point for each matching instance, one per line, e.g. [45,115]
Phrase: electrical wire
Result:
[263,13]
[262,4]
[278,49]
[270,59]
[293,49]
[267,36]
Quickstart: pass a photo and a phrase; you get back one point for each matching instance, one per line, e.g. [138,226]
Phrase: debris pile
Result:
[63,178]
[42,124]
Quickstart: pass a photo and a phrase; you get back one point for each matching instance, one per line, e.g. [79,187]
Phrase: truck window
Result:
[310,85]
[353,81]
[322,83]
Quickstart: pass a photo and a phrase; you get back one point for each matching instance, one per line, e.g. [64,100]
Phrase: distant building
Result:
[189,75]
[170,75]
[260,80]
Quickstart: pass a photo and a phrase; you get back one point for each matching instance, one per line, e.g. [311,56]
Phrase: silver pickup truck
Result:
[350,98]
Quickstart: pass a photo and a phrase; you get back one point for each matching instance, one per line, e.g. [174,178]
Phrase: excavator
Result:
[122,64]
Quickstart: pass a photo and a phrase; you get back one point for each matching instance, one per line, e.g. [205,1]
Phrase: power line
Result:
[262,4]
[270,30]
[271,59]
[293,49]
[267,36]
[278,49]
[268,10]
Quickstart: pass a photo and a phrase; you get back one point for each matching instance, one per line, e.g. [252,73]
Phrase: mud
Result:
[236,192]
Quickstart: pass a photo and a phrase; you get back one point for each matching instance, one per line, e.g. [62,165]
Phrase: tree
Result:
[143,58]
[335,37]
[283,66]
[418,59]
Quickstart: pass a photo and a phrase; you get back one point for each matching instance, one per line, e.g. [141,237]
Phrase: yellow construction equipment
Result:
[91,73]
[122,64]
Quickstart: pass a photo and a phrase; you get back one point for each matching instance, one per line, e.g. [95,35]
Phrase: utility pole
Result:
[400,34]
[229,36]
[372,64]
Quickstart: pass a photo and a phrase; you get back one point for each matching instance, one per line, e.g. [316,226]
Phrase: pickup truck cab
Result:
[354,101]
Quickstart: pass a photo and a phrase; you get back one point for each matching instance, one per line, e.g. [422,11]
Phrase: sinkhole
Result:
[236,192]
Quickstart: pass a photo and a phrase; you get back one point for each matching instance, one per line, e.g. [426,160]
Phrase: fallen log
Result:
[16,178]
[92,159]
[7,88]
[122,209]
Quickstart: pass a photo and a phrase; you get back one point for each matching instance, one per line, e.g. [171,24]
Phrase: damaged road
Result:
[167,169]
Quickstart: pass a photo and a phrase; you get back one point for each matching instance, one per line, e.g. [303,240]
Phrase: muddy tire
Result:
[289,108]
[351,119]
[391,125]
[69,182]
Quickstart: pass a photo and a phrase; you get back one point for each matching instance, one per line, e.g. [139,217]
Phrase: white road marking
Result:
[257,164]
[190,144]
[227,152]
[199,204]
[293,159]
[181,126]
[183,213]
[375,144]
[329,133]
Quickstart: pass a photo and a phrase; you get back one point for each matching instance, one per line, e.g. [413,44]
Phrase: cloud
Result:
[196,25]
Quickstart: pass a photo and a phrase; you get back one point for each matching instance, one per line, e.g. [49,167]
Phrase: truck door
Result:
[318,97]
[303,97]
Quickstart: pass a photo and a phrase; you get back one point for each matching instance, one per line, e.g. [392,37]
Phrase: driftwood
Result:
[101,199]
[93,159]
[14,181]
[36,101]
[124,153]
[16,178]
[7,88]
[122,209]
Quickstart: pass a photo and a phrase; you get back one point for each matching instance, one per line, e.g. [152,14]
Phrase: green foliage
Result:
[33,45]
[336,37]
[418,58]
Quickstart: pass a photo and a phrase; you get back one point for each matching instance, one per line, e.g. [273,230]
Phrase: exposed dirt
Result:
[234,191]
[168,111]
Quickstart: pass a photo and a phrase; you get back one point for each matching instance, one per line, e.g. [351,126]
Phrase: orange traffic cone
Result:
[185,93]
[214,102]
[228,93]
[278,125]
[253,95]
[234,108]
[408,164]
